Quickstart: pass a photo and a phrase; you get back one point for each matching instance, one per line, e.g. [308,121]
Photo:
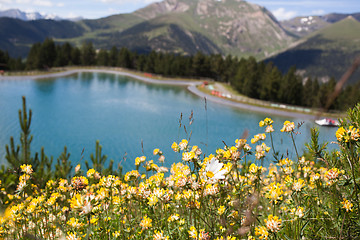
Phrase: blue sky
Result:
[282,9]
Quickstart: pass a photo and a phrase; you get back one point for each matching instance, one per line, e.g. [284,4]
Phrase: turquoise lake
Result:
[130,118]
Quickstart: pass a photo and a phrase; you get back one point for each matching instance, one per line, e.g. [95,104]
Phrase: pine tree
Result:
[4,60]
[251,80]
[314,94]
[218,67]
[33,61]
[63,55]
[75,56]
[113,56]
[19,155]
[88,54]
[47,54]
[63,166]
[98,161]
[124,58]
[102,58]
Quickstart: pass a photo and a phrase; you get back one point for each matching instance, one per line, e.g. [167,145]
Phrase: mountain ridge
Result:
[30,16]
[325,53]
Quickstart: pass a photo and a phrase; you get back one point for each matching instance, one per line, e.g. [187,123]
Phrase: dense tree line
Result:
[251,78]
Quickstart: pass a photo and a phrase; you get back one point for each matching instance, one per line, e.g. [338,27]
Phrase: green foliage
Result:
[98,161]
[63,166]
[17,156]
[315,148]
[88,54]
[353,117]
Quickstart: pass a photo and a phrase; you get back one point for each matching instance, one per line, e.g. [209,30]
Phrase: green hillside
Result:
[326,53]
[16,36]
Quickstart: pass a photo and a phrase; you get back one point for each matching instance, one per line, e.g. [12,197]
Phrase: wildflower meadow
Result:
[224,195]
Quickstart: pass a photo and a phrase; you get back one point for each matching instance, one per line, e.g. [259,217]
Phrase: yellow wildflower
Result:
[173,218]
[193,232]
[240,143]
[94,220]
[258,137]
[221,210]
[299,212]
[346,135]
[347,205]
[26,168]
[187,156]
[139,160]
[273,223]
[152,200]
[146,222]
[331,176]
[72,236]
[266,122]
[340,133]
[74,222]
[175,147]
[183,144]
[298,185]
[275,192]
[261,232]
[131,175]
[159,235]
[288,126]
[92,173]
[156,151]
[79,183]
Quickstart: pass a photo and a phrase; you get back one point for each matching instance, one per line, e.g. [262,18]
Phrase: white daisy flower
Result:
[213,171]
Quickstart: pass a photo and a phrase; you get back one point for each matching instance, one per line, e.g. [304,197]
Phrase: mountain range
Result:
[223,27]
[327,52]
[30,16]
[181,26]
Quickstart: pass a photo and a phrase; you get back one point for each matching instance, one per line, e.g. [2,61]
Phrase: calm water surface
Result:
[129,117]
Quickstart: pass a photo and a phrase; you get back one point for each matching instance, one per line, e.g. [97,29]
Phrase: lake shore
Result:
[192,85]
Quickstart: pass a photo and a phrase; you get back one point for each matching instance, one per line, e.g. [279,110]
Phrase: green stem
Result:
[273,148]
[292,137]
[355,185]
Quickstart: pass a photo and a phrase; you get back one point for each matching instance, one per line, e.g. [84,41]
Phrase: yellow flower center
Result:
[210,174]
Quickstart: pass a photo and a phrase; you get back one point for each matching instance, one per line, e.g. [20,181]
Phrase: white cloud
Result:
[43,3]
[22,1]
[2,2]
[72,15]
[298,3]
[318,12]
[124,2]
[61,4]
[112,10]
[282,14]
